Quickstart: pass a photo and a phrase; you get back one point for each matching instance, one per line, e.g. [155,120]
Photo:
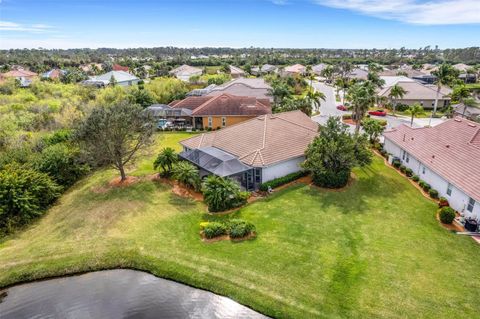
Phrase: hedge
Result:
[447,215]
[235,228]
[282,180]
[396,163]
[433,193]
[415,178]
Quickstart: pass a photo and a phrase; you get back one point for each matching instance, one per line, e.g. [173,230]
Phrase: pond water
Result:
[116,294]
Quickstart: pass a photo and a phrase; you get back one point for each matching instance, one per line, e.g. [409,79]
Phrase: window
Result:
[407,158]
[209,121]
[258,176]
[423,169]
[449,189]
[224,121]
[471,204]
[403,155]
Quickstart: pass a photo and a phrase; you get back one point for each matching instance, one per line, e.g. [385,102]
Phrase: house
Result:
[317,69]
[446,157]
[418,93]
[222,110]
[87,68]
[118,67]
[236,72]
[122,78]
[54,74]
[425,79]
[468,112]
[296,69]
[169,117]
[185,72]
[254,151]
[358,74]
[408,72]
[468,77]
[462,67]
[255,87]
[264,69]
[25,77]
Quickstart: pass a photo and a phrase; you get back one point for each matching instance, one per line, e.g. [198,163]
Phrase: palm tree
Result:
[396,92]
[187,174]
[220,193]
[165,160]
[279,91]
[343,84]
[362,96]
[444,76]
[377,81]
[415,110]
[314,98]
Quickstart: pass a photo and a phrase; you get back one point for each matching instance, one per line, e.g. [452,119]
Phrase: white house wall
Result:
[282,169]
[458,200]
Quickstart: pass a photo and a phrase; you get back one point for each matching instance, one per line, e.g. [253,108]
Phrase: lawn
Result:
[371,250]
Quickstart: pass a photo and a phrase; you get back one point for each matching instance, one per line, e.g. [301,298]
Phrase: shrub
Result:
[426,187]
[282,180]
[221,194]
[238,228]
[214,229]
[24,194]
[409,172]
[422,184]
[403,168]
[433,193]
[396,163]
[186,173]
[165,161]
[415,178]
[347,116]
[443,202]
[447,215]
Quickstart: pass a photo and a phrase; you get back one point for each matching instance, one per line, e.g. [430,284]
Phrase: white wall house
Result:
[444,157]
[281,169]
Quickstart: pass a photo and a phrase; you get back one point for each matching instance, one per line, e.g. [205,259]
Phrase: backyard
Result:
[374,249]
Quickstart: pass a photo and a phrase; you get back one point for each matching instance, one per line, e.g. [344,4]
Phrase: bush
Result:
[24,195]
[447,215]
[403,168]
[187,174]
[347,116]
[238,228]
[282,180]
[422,184]
[396,163]
[214,229]
[409,172]
[433,193]
[426,187]
[222,194]
[443,202]
[415,178]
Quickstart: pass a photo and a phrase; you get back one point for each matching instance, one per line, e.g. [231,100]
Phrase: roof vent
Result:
[471,125]
[457,119]
[448,146]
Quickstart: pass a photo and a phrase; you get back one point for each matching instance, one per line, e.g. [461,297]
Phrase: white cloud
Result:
[432,12]
[279,2]
[17,27]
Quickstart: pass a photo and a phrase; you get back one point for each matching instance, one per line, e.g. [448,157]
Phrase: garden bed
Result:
[227,237]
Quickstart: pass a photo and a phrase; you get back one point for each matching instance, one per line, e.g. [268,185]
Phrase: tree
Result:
[114,134]
[373,128]
[221,194]
[113,81]
[415,110]
[377,81]
[24,194]
[142,97]
[362,96]
[165,160]
[333,153]
[343,84]
[445,75]
[314,98]
[328,72]
[279,91]
[187,174]
[396,92]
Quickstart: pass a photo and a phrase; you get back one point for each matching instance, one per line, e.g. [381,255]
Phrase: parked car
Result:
[341,108]
[378,113]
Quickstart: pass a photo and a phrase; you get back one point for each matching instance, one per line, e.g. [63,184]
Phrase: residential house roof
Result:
[358,74]
[255,87]
[449,149]
[235,71]
[19,73]
[317,69]
[186,70]
[467,111]
[392,80]
[415,91]
[227,104]
[190,102]
[262,141]
[462,67]
[410,72]
[296,68]
[163,110]
[54,74]
[118,67]
[120,76]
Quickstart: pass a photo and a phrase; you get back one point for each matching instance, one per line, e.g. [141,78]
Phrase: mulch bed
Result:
[349,121]
[227,237]
[116,182]
[453,226]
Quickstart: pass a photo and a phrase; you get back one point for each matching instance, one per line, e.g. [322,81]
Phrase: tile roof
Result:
[415,91]
[185,70]
[19,73]
[236,71]
[296,68]
[264,140]
[190,102]
[118,67]
[255,87]
[451,149]
[120,76]
[227,104]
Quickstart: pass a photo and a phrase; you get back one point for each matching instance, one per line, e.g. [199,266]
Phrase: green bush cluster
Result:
[282,180]
[447,215]
[403,168]
[235,228]
[433,193]
[415,178]
[424,185]
[442,202]
[396,163]
[408,172]
[221,194]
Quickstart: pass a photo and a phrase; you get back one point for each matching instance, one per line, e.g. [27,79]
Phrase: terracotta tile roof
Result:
[191,102]
[185,70]
[19,73]
[296,68]
[118,67]
[244,87]
[236,70]
[451,149]
[227,104]
[264,140]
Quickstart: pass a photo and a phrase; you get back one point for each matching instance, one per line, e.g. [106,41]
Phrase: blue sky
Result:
[239,23]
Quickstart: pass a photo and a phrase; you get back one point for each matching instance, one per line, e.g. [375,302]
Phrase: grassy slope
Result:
[373,250]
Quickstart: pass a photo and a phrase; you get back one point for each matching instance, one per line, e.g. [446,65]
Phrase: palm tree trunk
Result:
[411,122]
[436,100]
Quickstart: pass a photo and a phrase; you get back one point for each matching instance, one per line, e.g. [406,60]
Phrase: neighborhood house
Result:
[121,78]
[255,151]
[418,93]
[255,87]
[445,156]
[185,72]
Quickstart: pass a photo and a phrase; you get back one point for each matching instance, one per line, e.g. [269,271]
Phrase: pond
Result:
[116,294]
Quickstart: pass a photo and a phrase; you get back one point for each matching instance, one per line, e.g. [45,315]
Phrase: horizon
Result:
[266,24]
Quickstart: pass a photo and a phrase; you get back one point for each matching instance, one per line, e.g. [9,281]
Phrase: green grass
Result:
[373,250]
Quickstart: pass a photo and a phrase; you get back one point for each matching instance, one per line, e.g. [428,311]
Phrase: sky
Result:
[239,23]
